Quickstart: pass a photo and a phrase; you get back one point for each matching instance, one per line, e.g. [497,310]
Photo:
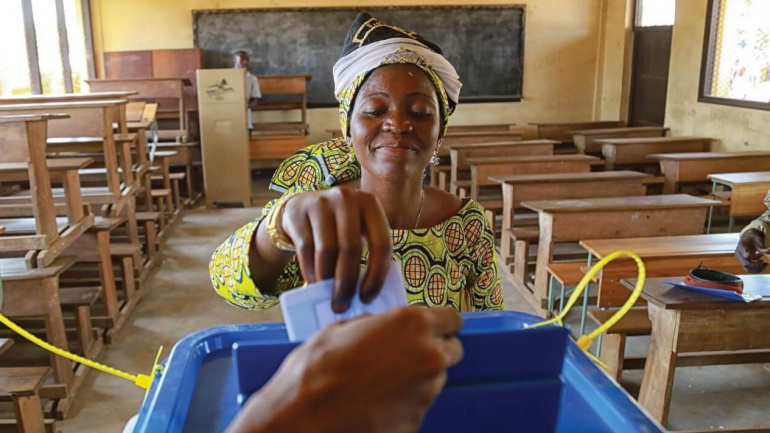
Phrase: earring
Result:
[434,159]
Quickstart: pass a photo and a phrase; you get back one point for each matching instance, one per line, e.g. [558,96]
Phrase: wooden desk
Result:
[748,191]
[607,218]
[585,140]
[634,151]
[688,322]
[696,166]
[518,189]
[152,90]
[476,138]
[664,255]
[460,170]
[482,168]
[562,131]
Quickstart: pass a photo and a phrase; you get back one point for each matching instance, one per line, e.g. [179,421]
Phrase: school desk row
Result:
[85,208]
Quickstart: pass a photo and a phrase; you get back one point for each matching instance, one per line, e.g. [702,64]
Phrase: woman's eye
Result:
[422,114]
[372,112]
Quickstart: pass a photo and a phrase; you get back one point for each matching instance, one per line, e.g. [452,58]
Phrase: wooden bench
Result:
[679,168]
[608,218]
[586,140]
[635,151]
[520,188]
[566,274]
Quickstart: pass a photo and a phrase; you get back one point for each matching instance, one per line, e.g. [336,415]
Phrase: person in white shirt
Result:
[241,60]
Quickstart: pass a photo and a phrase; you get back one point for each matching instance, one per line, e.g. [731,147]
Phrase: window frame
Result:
[31,43]
[707,64]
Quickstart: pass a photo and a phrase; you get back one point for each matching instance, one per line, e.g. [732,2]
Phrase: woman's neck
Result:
[402,201]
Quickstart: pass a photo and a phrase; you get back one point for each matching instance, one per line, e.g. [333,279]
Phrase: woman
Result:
[359,201]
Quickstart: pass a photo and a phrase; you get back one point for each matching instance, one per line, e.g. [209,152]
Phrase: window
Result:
[47,46]
[655,13]
[736,54]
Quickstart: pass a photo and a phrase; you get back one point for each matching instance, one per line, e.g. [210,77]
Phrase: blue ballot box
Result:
[511,380]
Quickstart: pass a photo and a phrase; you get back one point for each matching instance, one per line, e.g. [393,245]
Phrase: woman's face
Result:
[395,122]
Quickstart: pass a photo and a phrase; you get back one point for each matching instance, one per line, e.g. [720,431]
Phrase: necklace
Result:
[419,211]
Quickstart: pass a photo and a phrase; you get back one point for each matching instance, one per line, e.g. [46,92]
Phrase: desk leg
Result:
[658,378]
[711,208]
[586,289]
[670,170]
[505,242]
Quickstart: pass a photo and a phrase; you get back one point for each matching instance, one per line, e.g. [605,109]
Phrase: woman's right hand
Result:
[750,249]
[328,229]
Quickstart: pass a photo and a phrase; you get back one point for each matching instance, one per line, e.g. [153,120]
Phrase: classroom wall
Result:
[736,128]
[562,48]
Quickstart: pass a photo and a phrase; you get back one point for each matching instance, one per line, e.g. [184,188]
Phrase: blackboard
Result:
[484,43]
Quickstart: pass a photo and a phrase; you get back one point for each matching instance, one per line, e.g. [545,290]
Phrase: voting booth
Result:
[223,106]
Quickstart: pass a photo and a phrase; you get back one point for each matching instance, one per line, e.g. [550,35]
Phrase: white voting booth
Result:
[222,108]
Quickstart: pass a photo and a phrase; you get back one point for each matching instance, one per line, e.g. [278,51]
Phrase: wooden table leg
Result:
[505,242]
[670,170]
[658,378]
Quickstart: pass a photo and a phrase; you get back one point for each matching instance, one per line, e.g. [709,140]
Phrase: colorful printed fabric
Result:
[762,223]
[453,263]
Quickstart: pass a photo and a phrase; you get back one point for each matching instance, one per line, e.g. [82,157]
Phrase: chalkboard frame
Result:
[463,99]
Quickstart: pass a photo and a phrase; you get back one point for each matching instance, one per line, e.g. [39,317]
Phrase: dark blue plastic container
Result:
[511,380]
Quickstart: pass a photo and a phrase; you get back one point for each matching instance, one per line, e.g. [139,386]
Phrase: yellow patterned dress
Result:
[450,264]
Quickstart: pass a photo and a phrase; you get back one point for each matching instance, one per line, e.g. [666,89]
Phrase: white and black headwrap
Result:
[370,44]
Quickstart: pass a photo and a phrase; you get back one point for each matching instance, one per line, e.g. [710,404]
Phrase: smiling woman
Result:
[359,202]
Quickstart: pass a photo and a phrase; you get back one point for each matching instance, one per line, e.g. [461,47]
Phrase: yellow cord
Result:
[141,380]
[584,342]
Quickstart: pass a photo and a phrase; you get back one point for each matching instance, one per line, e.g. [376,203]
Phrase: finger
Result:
[302,237]
[377,231]
[349,256]
[445,321]
[452,349]
[324,235]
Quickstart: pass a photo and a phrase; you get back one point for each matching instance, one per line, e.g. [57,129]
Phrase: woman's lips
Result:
[394,150]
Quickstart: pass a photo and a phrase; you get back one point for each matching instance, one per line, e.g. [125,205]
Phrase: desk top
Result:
[653,140]
[64,105]
[694,156]
[64,97]
[607,204]
[15,269]
[569,177]
[742,178]
[673,298]
[184,80]
[665,246]
[32,117]
[598,123]
[54,165]
[480,160]
[504,144]
[604,131]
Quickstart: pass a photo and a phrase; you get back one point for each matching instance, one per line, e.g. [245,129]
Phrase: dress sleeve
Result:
[231,276]
[485,289]
[762,223]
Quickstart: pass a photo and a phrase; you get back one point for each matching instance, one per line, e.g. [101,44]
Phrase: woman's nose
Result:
[398,123]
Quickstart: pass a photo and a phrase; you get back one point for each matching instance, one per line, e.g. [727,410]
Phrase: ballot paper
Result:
[306,311]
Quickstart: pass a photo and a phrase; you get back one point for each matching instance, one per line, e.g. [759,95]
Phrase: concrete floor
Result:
[180,300]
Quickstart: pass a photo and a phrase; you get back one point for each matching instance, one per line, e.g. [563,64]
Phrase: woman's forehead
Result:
[398,78]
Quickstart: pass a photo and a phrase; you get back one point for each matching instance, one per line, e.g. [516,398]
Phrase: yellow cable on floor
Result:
[141,380]
[584,342]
